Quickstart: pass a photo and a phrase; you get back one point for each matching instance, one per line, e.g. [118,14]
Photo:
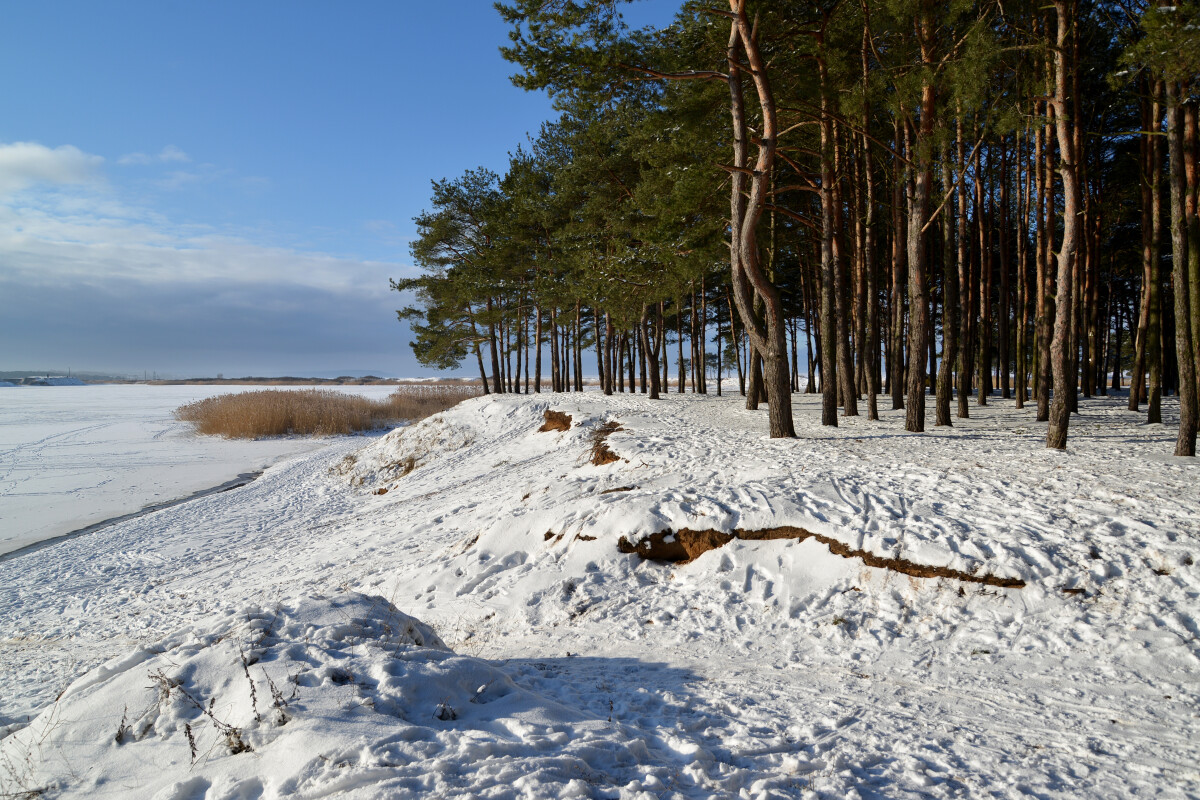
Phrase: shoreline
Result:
[243,479]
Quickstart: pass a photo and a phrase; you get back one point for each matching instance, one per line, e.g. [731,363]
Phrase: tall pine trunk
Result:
[1061,357]
[829,391]
[1154,347]
[1185,443]
[950,305]
[845,358]
[895,359]
[918,292]
[870,343]
[964,279]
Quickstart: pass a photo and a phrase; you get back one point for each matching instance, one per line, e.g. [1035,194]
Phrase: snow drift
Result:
[342,695]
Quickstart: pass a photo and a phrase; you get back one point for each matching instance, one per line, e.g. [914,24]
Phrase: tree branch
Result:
[700,75]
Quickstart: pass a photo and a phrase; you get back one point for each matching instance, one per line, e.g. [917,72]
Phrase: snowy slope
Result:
[763,668]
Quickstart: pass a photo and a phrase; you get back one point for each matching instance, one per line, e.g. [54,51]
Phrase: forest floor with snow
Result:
[445,612]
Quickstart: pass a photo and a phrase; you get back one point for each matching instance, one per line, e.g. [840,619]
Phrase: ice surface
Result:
[71,457]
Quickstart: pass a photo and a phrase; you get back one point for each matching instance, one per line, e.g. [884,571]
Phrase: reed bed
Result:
[315,412]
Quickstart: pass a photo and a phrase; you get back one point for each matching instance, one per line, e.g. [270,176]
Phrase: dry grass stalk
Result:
[315,412]
[601,454]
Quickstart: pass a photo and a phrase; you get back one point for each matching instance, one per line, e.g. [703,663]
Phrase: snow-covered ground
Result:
[269,641]
[72,456]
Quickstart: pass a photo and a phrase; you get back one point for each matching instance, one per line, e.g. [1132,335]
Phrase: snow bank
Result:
[317,696]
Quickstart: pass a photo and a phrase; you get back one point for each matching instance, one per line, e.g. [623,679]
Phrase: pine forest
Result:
[908,202]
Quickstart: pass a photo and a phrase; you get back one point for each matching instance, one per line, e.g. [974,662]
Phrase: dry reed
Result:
[315,412]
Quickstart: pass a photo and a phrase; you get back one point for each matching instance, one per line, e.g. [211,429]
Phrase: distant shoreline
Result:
[241,480]
[291,381]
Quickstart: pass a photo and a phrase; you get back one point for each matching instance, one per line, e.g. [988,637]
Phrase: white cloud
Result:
[39,250]
[87,274]
[23,164]
[127,266]
[52,238]
[168,154]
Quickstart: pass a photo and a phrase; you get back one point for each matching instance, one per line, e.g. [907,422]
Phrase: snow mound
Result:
[318,696]
[461,441]
[404,449]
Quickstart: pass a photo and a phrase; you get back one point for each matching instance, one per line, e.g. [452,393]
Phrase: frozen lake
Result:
[73,456]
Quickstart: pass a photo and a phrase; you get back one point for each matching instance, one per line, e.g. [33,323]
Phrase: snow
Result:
[72,457]
[762,669]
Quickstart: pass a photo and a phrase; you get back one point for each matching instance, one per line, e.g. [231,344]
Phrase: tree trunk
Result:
[771,342]
[665,384]
[693,344]
[599,346]
[1004,303]
[1191,146]
[1146,148]
[918,293]
[608,379]
[504,385]
[631,345]
[1024,185]
[899,256]
[537,351]
[506,361]
[828,281]
[720,349]
[555,364]
[737,350]
[859,270]
[1061,358]
[1154,348]
[679,365]
[483,378]
[496,386]
[525,337]
[1116,349]
[984,338]
[950,304]
[1185,443]
[964,279]
[703,354]
[845,358]
[578,346]
[1046,300]
[650,348]
[870,344]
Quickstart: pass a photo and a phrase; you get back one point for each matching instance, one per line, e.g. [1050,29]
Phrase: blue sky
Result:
[194,188]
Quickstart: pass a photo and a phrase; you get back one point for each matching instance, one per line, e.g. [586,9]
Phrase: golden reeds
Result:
[315,412]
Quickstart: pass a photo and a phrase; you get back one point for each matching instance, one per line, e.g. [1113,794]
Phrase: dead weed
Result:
[601,454]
